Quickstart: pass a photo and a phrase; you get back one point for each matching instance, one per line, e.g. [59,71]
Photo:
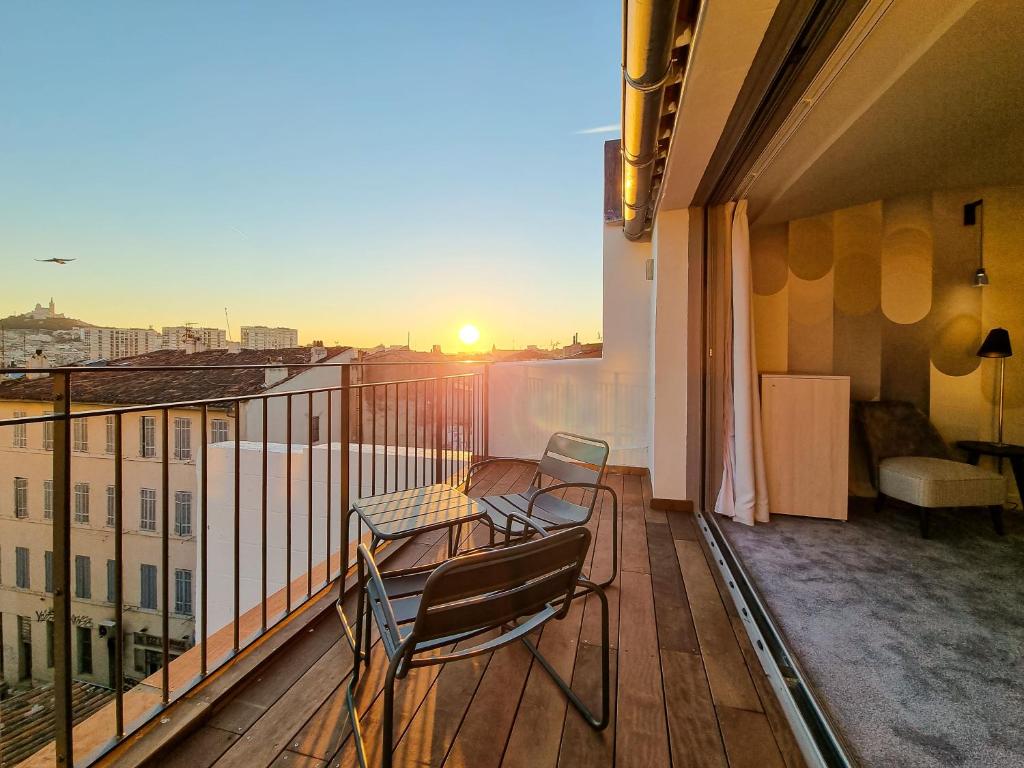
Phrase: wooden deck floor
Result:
[695,695]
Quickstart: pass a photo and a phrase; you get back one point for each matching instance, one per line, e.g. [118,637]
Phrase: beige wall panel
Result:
[906,259]
[954,406]
[769,258]
[858,251]
[810,247]
[858,353]
[810,325]
[771,329]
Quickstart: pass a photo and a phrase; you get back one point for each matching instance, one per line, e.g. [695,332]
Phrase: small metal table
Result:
[1015,453]
[403,514]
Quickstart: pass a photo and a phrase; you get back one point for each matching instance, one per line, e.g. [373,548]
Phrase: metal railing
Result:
[418,431]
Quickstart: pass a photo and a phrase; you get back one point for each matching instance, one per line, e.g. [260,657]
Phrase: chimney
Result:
[436,349]
[272,376]
[317,352]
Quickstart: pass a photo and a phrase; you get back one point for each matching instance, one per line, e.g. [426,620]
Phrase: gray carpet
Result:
[914,646]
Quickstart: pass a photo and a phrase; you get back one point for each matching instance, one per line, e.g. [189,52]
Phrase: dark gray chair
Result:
[421,612]
[571,461]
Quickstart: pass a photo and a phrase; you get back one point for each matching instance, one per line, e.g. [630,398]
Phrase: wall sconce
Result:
[974,212]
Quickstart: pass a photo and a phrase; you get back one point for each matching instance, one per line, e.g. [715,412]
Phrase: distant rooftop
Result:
[26,718]
[145,387]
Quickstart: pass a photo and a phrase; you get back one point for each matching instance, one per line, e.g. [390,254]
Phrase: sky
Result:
[358,171]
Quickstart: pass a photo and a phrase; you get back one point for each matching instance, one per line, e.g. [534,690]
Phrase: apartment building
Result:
[26,537]
[262,337]
[27,504]
[115,343]
[177,336]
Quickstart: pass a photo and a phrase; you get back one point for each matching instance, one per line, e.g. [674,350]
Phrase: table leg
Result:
[972,457]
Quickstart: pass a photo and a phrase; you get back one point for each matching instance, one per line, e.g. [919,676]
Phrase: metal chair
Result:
[572,461]
[421,612]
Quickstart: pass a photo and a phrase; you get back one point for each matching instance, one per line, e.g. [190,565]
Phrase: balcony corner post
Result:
[62,569]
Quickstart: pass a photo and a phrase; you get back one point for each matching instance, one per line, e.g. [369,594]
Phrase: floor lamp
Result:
[997,345]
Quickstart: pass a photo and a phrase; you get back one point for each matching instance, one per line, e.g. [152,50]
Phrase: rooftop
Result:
[27,722]
[145,387]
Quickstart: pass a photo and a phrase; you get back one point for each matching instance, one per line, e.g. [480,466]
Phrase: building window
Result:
[25,643]
[110,434]
[20,431]
[111,506]
[48,499]
[315,436]
[183,592]
[48,571]
[147,436]
[111,581]
[183,439]
[219,431]
[20,497]
[83,577]
[147,591]
[48,433]
[21,573]
[183,513]
[147,509]
[81,502]
[80,432]
[84,650]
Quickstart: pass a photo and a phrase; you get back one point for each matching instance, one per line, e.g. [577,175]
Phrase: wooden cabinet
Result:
[806,424]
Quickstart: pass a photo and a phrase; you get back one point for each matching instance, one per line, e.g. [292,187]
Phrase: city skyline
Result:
[232,177]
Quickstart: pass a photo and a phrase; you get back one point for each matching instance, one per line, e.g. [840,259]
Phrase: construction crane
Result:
[227,322]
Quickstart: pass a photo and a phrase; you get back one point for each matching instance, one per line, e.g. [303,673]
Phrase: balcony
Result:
[260,678]
[691,693]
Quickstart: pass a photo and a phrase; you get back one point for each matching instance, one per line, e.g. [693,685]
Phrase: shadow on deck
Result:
[695,695]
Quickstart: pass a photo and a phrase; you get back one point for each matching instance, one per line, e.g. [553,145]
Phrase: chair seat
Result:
[933,483]
[551,511]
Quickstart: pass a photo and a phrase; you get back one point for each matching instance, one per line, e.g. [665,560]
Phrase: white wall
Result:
[668,363]
[220,496]
[607,398]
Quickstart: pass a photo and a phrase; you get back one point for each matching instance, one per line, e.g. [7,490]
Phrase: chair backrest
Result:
[897,428]
[488,589]
[572,458]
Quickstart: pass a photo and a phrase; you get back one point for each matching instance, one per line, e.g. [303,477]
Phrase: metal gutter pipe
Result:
[648,37]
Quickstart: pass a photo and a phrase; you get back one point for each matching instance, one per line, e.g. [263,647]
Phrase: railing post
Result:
[62,568]
[344,414]
[438,429]
[487,409]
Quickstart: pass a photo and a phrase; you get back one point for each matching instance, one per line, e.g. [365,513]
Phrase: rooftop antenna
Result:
[227,322]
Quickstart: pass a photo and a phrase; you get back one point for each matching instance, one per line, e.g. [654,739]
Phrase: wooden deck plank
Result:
[683,525]
[202,749]
[634,529]
[730,681]
[600,567]
[676,631]
[582,746]
[294,760]
[749,742]
[694,735]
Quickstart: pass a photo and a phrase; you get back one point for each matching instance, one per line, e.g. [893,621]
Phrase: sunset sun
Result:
[469,334]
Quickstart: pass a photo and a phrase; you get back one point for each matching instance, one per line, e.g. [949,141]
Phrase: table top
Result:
[991,449]
[406,513]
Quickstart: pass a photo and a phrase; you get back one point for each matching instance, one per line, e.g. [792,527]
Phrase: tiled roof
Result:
[146,387]
[26,718]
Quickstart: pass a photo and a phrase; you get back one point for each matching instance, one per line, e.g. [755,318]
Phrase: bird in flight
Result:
[55,261]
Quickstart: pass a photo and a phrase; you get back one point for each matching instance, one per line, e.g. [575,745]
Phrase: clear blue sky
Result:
[355,170]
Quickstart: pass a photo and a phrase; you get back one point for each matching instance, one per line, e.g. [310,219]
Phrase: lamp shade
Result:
[996,344]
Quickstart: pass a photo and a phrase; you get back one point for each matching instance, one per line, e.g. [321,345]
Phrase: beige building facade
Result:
[262,337]
[26,541]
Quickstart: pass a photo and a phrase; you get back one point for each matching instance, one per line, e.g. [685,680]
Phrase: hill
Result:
[21,322]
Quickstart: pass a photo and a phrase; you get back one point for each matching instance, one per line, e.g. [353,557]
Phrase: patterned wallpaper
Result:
[883,293]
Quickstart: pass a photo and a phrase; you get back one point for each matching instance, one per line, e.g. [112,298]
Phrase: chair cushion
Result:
[930,482]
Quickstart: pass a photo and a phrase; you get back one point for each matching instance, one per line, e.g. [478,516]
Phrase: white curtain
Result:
[744,492]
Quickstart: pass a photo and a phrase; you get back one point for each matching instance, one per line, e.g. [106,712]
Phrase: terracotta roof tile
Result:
[151,387]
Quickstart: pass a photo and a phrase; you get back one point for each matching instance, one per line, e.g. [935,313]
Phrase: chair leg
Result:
[388,724]
[615,542]
[879,502]
[597,723]
[997,518]
[357,731]
[923,521]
